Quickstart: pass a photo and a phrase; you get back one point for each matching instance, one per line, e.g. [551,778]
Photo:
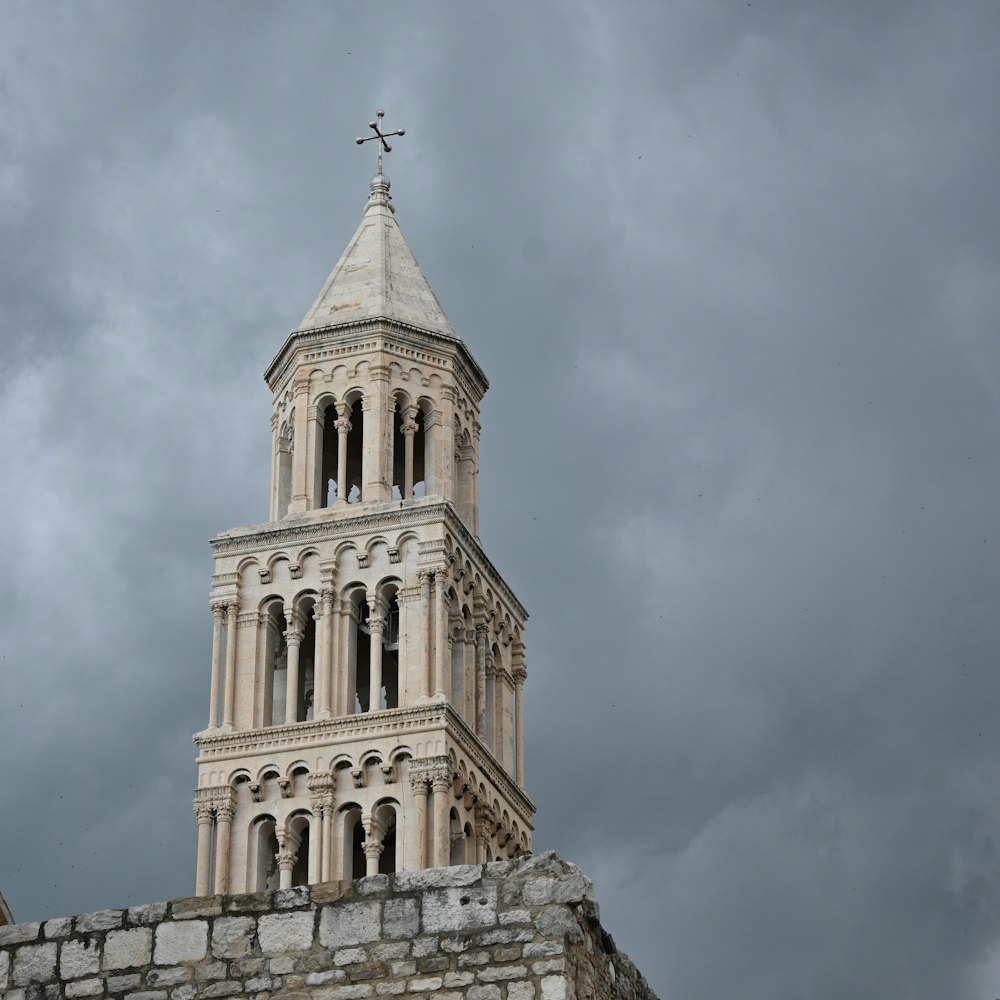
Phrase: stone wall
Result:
[513,930]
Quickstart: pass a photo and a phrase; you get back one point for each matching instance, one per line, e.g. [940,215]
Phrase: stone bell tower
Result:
[366,709]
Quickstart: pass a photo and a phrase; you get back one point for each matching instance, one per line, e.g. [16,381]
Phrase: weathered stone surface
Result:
[17,933]
[57,928]
[401,917]
[371,885]
[349,923]
[34,963]
[100,920]
[438,878]
[184,941]
[460,909]
[127,949]
[231,937]
[283,932]
[380,945]
[286,899]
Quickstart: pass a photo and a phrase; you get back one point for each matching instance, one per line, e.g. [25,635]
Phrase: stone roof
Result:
[377,277]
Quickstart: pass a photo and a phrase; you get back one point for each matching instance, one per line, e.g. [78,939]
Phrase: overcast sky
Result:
[732,270]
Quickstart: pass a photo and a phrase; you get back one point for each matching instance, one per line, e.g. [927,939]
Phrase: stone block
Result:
[14,995]
[287,899]
[426,985]
[34,963]
[547,966]
[249,902]
[330,892]
[490,992]
[424,946]
[543,949]
[460,909]
[84,988]
[401,918]
[509,953]
[555,988]
[147,995]
[404,968]
[350,923]
[558,921]
[181,941]
[196,906]
[521,991]
[390,989]
[453,979]
[19,933]
[127,949]
[389,950]
[372,885]
[173,975]
[260,983]
[281,965]
[565,889]
[79,958]
[232,937]
[118,984]
[456,945]
[509,917]
[58,928]
[99,920]
[206,971]
[349,956]
[473,958]
[320,978]
[145,914]
[355,991]
[283,932]
[498,973]
[438,878]
[4,970]
[434,963]
[226,989]
[504,935]
[184,993]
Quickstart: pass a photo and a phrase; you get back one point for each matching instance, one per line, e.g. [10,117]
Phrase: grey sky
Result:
[732,270]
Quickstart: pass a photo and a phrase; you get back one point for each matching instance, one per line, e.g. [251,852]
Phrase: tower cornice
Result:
[338,339]
[331,524]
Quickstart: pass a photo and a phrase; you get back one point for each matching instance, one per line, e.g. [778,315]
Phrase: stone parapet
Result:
[513,930]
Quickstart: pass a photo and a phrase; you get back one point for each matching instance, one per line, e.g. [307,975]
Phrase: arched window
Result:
[263,855]
[408,450]
[384,827]
[284,465]
[298,836]
[275,665]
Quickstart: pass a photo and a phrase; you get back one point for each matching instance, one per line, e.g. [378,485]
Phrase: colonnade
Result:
[422,830]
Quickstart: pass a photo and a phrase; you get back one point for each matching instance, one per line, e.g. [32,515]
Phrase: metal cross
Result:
[376,126]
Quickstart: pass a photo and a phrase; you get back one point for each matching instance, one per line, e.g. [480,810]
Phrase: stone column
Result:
[442,666]
[293,638]
[373,848]
[273,510]
[205,813]
[213,704]
[425,604]
[325,640]
[286,862]
[441,783]
[300,488]
[408,429]
[420,789]
[376,625]
[224,811]
[314,461]
[377,428]
[326,870]
[232,610]
[485,823]
[519,676]
[343,425]
[481,630]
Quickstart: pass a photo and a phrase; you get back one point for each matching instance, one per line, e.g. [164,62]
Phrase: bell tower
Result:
[367,670]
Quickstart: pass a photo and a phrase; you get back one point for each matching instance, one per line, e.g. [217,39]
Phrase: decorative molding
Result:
[256,791]
[358,777]
[388,773]
[285,784]
[295,570]
[394,556]
[265,576]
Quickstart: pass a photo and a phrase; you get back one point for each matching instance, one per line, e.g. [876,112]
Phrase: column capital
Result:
[205,811]
[343,425]
[376,624]
[286,860]
[225,811]
[408,429]
[218,610]
[519,674]
[293,636]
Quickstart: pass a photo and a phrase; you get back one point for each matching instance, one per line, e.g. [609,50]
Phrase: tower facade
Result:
[367,671]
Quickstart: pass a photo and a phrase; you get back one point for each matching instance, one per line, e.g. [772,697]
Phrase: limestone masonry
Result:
[515,930]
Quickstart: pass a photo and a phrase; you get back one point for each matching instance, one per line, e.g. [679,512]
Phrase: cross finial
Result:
[381,136]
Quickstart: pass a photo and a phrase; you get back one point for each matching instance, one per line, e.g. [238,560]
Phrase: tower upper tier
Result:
[376,398]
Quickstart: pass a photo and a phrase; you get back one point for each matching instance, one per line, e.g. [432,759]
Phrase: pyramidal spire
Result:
[377,276]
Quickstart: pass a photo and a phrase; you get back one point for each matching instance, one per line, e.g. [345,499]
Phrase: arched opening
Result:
[329,456]
[275,665]
[385,824]
[456,838]
[307,661]
[408,458]
[387,696]
[362,652]
[298,832]
[464,467]
[355,453]
[284,466]
[264,854]
[470,845]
